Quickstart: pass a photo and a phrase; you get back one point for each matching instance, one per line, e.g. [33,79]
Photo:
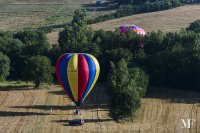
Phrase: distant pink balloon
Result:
[135,28]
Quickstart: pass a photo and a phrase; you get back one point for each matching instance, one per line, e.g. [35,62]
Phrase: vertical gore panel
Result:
[92,73]
[83,76]
[61,68]
[72,74]
[97,73]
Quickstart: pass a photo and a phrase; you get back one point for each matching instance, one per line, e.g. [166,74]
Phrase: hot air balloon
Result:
[77,73]
[134,28]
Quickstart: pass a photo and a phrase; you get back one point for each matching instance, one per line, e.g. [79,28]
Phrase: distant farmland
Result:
[166,21]
[15,14]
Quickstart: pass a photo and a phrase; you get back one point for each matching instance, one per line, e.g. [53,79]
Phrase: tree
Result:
[131,1]
[38,69]
[5,66]
[34,40]
[124,10]
[78,37]
[124,98]
[153,42]
[141,80]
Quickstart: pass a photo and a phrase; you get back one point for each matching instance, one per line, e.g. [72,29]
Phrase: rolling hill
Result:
[167,21]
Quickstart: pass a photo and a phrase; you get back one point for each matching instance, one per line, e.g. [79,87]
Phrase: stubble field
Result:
[25,109]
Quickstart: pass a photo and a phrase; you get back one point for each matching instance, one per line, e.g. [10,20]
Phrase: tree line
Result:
[167,59]
[132,7]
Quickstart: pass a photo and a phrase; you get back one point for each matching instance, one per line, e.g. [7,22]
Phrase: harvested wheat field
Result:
[166,21]
[24,109]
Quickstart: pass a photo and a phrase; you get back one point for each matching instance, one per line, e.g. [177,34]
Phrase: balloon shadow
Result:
[85,121]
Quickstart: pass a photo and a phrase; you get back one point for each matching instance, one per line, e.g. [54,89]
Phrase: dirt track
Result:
[27,110]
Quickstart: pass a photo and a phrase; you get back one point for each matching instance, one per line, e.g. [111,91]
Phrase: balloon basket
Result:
[77,112]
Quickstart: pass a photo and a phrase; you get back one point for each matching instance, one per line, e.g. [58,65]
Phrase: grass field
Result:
[25,109]
[16,14]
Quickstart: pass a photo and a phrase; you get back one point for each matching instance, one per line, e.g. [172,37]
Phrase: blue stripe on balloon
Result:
[92,74]
[63,75]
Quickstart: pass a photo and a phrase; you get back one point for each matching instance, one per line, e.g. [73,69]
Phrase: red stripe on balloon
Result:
[83,76]
[58,70]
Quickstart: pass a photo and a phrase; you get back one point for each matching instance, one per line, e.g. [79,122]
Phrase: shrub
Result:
[5,66]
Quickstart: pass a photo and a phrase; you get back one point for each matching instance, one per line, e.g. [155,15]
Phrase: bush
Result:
[5,66]
[38,69]
[124,97]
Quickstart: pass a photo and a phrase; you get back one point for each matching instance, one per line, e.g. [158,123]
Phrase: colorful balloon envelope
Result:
[134,28]
[77,73]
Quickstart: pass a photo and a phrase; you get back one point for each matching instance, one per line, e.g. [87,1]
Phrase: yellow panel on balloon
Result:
[72,74]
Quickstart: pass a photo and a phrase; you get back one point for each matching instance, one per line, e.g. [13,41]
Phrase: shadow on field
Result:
[85,120]
[10,113]
[17,87]
[174,95]
[59,107]
[60,92]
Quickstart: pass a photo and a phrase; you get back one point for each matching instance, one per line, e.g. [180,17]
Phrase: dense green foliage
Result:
[195,26]
[34,40]
[124,97]
[78,37]
[174,62]
[5,66]
[38,69]
[140,80]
